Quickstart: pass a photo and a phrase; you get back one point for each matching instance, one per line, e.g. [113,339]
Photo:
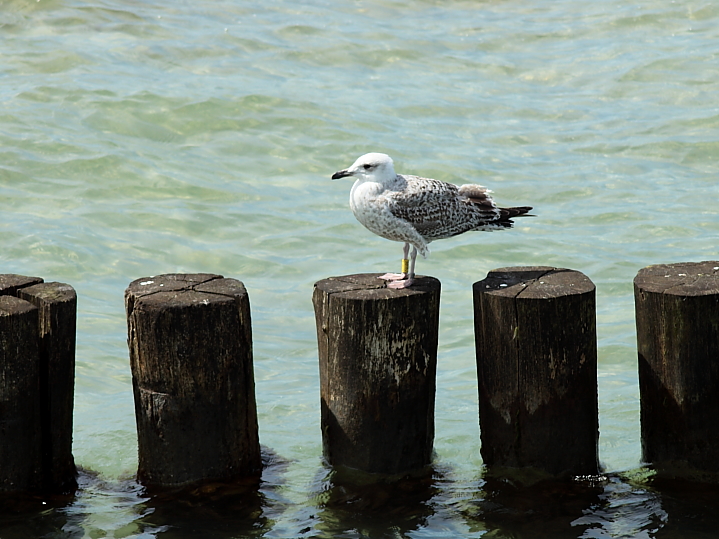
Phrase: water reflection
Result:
[630,505]
[240,508]
[690,509]
[541,509]
[38,516]
[346,504]
[356,504]
[213,510]
[626,509]
[124,508]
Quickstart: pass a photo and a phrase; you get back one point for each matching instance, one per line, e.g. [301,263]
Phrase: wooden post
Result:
[10,283]
[20,431]
[57,309]
[677,315]
[378,361]
[37,385]
[190,340]
[535,330]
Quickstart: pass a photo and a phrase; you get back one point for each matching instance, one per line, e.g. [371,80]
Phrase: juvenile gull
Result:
[417,210]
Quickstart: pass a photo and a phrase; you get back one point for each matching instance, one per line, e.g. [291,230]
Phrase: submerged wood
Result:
[536,347]
[378,360]
[190,340]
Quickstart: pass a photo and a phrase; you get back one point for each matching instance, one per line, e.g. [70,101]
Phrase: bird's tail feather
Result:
[519,211]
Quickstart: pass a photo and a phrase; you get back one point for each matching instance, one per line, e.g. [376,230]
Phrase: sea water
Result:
[140,138]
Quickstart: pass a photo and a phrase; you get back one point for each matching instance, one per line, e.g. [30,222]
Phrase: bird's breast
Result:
[370,205]
[366,197]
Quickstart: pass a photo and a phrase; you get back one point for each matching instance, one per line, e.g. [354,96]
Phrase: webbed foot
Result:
[404,283]
[393,276]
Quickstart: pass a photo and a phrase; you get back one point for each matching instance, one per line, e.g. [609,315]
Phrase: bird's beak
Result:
[341,174]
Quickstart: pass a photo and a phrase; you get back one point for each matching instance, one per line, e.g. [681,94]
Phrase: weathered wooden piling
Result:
[37,366]
[378,361]
[190,341]
[20,450]
[535,331]
[57,309]
[677,316]
[10,283]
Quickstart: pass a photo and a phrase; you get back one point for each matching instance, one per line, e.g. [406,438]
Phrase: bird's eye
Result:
[367,167]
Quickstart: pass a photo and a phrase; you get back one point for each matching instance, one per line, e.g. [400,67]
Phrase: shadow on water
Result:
[243,508]
[355,504]
[642,504]
[628,505]
[690,509]
[638,504]
[542,509]
[635,505]
[38,516]
[212,510]
[124,508]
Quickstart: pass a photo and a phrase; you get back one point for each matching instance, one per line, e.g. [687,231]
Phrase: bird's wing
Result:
[438,209]
[423,202]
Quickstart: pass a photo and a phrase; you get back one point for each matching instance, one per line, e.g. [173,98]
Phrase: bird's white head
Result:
[377,167]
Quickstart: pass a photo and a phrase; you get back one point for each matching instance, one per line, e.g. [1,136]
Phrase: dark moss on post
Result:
[190,341]
[677,315]
[378,361]
[535,330]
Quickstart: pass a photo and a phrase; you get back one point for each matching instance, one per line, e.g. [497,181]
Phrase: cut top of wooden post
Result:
[682,279]
[370,286]
[10,283]
[49,293]
[534,282]
[10,305]
[174,282]
[168,295]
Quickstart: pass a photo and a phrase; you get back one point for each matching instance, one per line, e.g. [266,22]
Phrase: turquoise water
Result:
[138,138]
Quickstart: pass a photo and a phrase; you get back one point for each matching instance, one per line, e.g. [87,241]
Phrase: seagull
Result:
[417,210]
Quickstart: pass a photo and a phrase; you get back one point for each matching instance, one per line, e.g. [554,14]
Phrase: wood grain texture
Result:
[190,341]
[378,361]
[57,311]
[677,316]
[535,331]
[20,411]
